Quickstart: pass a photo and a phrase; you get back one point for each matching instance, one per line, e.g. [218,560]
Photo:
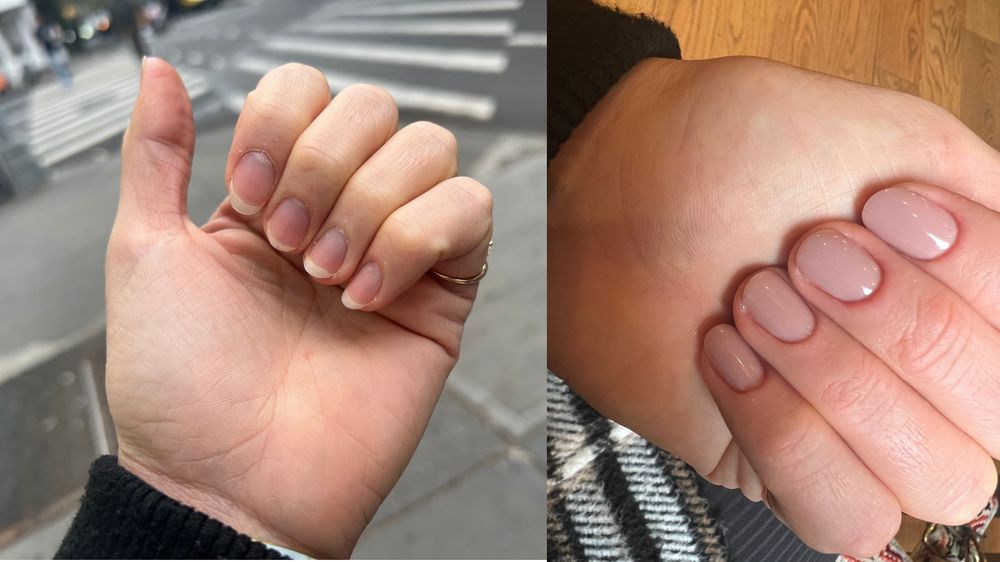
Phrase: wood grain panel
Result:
[886,79]
[848,35]
[798,41]
[900,41]
[941,68]
[980,95]
[982,17]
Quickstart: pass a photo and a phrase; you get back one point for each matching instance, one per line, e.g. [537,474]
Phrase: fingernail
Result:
[910,223]
[252,181]
[288,224]
[326,255]
[735,362]
[362,289]
[776,306]
[838,266]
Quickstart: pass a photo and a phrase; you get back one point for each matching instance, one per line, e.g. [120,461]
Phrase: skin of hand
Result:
[686,178]
[240,385]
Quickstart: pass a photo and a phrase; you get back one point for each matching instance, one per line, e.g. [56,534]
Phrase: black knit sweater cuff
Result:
[590,48]
[123,517]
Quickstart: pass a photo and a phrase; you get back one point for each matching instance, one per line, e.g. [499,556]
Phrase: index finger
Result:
[285,103]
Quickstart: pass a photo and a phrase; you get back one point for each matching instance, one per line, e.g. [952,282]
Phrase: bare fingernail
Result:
[252,181]
[838,266]
[288,224]
[327,254]
[776,306]
[362,289]
[910,223]
[734,360]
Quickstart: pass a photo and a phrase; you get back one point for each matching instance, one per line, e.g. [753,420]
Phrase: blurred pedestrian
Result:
[51,35]
[127,19]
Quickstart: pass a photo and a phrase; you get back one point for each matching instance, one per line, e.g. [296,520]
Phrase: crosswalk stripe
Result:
[407,96]
[528,39]
[449,59]
[450,27]
[98,126]
[82,82]
[43,112]
[420,8]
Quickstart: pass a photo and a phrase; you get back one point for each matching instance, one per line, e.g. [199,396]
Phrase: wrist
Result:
[210,502]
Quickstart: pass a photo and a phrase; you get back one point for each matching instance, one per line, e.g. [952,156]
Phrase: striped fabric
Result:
[614,496]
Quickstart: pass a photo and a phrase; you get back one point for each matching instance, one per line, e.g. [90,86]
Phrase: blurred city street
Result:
[475,487]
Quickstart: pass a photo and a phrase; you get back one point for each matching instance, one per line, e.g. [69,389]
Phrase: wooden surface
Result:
[945,51]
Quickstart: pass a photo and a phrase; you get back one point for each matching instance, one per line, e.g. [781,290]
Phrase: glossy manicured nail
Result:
[838,266]
[776,306]
[362,289]
[910,223]
[326,255]
[735,362]
[252,181]
[288,224]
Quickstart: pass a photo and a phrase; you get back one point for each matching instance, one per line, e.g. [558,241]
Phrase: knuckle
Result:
[932,342]
[370,104]
[861,396]
[436,136]
[265,106]
[406,237]
[312,156]
[475,194]
[295,74]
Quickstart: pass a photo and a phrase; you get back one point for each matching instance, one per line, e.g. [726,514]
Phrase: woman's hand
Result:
[685,179]
[241,381]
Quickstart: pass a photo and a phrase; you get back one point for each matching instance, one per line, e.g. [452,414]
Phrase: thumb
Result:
[157,152]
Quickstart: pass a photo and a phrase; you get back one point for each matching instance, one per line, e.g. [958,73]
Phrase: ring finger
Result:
[414,160]
[449,225]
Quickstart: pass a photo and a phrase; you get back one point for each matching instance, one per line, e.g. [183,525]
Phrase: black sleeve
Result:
[590,48]
[121,516]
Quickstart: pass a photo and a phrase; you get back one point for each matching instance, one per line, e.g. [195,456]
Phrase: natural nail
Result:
[838,266]
[361,291]
[735,362]
[910,223]
[776,306]
[251,184]
[288,224]
[327,254]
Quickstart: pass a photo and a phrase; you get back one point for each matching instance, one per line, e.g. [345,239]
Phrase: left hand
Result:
[239,383]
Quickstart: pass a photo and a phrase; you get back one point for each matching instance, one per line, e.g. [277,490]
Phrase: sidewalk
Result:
[475,487]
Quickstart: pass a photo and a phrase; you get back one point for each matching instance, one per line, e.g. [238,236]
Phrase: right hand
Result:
[685,178]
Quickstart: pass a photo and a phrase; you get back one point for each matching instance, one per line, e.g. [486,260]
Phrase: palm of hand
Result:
[274,395]
[687,177]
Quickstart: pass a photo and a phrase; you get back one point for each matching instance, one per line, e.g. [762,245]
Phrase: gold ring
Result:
[470,280]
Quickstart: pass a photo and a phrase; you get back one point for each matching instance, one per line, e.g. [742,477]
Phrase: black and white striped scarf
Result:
[614,496]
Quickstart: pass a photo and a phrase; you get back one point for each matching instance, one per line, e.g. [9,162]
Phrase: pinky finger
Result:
[447,228]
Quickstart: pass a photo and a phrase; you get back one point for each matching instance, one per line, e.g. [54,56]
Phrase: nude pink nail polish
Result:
[733,359]
[776,306]
[910,223]
[838,266]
